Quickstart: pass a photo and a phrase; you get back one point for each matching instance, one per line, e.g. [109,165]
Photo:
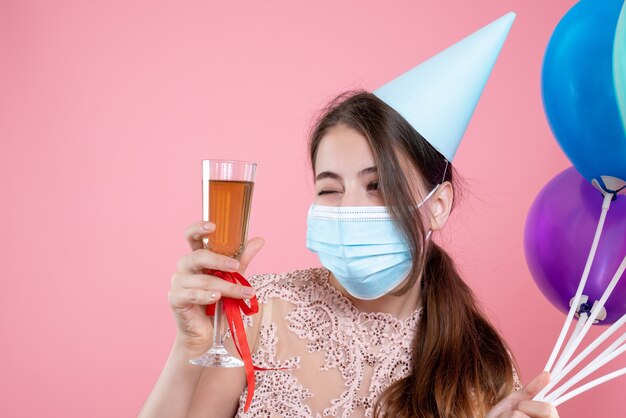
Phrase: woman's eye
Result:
[322,192]
[372,186]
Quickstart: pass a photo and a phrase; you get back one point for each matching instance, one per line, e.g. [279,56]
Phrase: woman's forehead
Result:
[410,172]
[343,150]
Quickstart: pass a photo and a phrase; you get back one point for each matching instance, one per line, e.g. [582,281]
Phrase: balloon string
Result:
[595,311]
[575,305]
[559,375]
[590,385]
[590,348]
[582,320]
[606,356]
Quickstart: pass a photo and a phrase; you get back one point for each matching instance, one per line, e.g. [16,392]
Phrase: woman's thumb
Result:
[253,246]
[524,394]
[534,386]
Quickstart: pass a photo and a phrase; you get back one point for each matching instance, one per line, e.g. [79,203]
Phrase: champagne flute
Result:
[226,199]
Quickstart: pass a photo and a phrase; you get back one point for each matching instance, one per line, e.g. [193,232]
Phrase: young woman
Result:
[387,328]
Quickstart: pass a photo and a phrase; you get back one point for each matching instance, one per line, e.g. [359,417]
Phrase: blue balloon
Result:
[578,90]
[619,64]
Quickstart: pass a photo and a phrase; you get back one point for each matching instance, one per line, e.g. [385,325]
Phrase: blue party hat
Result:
[438,97]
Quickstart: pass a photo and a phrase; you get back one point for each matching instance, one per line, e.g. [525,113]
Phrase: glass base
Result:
[217,357]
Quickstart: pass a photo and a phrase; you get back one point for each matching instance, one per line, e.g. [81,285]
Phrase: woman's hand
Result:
[519,404]
[191,290]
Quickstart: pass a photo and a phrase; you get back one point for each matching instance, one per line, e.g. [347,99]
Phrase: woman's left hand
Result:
[519,404]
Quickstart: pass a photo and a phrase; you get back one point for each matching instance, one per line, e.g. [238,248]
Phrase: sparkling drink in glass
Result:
[226,199]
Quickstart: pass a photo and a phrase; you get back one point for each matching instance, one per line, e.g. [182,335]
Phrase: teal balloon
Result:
[578,90]
[619,64]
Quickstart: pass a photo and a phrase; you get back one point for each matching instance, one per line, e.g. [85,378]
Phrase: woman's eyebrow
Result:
[335,176]
[368,170]
[327,175]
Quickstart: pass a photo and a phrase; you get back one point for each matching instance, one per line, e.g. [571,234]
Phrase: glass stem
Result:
[218,337]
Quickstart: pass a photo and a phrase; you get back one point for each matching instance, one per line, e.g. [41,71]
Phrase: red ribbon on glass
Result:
[233,309]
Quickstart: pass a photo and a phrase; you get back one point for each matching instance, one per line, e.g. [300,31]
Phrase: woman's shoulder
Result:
[280,285]
[309,274]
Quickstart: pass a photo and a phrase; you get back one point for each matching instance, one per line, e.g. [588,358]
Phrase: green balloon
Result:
[619,64]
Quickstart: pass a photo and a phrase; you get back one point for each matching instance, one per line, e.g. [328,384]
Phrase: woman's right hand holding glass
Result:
[192,290]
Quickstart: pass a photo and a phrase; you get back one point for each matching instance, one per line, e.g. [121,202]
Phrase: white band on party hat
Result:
[439,96]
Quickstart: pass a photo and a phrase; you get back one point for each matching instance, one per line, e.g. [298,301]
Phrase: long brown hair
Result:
[460,364]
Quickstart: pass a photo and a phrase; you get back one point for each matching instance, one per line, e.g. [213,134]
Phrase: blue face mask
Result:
[362,246]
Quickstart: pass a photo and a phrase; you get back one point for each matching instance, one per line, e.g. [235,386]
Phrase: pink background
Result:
[107,108]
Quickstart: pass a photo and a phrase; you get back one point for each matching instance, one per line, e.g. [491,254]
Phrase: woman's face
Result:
[345,171]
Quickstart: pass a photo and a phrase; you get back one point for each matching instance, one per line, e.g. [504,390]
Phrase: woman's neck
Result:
[400,306]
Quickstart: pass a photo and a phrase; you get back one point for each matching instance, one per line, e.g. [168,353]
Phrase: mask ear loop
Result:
[445,171]
[436,187]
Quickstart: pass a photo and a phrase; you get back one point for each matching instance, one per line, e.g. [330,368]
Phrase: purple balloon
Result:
[558,235]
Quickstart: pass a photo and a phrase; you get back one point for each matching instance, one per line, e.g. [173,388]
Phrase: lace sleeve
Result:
[517,385]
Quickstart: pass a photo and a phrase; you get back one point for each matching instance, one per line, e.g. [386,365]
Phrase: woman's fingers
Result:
[201,258]
[196,231]
[207,283]
[531,409]
[513,414]
[511,402]
[534,386]
[184,297]
[538,409]
[253,246]
[531,389]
